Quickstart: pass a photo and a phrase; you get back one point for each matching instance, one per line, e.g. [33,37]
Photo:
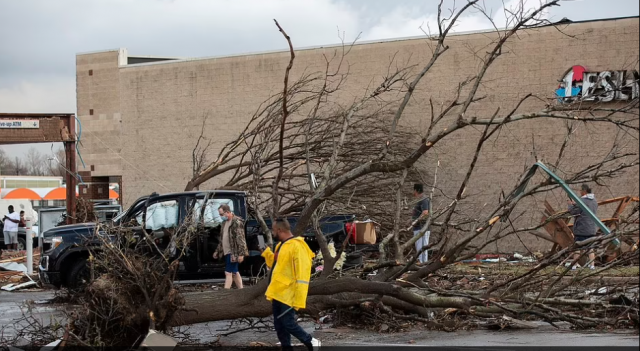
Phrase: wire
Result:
[75,175]
[78,142]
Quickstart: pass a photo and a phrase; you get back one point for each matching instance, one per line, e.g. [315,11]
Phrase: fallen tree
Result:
[302,133]
[341,165]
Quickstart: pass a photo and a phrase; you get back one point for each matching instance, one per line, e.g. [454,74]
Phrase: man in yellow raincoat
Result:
[290,267]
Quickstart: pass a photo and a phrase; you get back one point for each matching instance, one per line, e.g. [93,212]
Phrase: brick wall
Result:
[98,103]
[160,108]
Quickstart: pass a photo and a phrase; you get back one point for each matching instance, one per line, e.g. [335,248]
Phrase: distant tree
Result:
[5,162]
[18,168]
[56,163]
[36,163]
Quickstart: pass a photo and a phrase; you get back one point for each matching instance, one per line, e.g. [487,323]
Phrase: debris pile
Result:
[13,269]
[19,256]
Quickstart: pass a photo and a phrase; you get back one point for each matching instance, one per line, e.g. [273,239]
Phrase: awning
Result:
[57,194]
[113,195]
[22,194]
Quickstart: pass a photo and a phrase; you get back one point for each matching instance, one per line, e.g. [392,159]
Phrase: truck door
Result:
[160,220]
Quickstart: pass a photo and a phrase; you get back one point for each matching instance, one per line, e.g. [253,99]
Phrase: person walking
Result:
[290,267]
[233,246]
[420,212]
[10,229]
[584,227]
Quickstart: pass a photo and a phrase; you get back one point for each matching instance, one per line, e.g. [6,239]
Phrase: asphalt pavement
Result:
[13,305]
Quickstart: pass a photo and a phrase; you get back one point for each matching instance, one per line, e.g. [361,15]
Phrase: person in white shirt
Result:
[10,230]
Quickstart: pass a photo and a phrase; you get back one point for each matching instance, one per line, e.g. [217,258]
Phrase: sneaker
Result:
[592,267]
[316,344]
[575,267]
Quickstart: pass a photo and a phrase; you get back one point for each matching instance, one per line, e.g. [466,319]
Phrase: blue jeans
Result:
[284,320]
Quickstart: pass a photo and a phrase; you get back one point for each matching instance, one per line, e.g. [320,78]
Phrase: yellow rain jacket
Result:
[290,278]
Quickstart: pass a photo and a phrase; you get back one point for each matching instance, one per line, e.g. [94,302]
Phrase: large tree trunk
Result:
[218,305]
[251,302]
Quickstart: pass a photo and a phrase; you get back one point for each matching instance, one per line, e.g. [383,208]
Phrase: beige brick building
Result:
[141,116]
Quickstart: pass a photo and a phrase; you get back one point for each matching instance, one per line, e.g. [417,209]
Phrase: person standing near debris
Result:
[10,230]
[584,228]
[233,246]
[290,267]
[420,212]
[23,221]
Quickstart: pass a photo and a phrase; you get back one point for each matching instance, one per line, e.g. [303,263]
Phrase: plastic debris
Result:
[13,287]
[13,266]
[157,341]
[600,291]
[51,346]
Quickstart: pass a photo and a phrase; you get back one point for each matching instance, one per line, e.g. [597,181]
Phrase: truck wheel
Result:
[79,274]
[22,244]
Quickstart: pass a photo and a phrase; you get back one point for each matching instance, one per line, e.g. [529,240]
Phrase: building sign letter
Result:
[580,85]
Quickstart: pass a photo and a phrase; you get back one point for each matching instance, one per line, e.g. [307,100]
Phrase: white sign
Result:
[19,124]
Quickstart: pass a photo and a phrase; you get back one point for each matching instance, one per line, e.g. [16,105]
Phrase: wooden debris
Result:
[507,322]
[561,232]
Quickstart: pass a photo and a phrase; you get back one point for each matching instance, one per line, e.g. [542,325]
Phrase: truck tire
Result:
[22,244]
[79,274]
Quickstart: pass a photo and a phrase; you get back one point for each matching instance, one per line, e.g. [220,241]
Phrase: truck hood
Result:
[82,229]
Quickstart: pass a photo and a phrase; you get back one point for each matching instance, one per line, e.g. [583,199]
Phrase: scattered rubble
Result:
[13,270]
[19,256]
[13,287]
[12,266]
[507,322]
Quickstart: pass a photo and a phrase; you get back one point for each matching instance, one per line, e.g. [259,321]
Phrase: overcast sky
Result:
[40,38]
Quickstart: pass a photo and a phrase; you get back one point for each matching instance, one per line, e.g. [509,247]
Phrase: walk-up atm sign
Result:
[19,124]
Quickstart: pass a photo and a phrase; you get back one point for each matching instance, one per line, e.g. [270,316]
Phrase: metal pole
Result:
[70,151]
[29,247]
[577,199]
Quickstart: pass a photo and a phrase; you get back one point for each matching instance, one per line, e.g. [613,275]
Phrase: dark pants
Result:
[284,319]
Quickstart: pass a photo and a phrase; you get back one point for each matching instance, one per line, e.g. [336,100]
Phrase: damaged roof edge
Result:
[97,52]
[35,115]
[267,52]
[169,60]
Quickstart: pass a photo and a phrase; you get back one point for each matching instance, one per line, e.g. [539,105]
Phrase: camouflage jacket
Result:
[237,239]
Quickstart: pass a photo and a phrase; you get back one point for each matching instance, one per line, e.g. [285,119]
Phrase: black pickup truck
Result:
[64,262]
